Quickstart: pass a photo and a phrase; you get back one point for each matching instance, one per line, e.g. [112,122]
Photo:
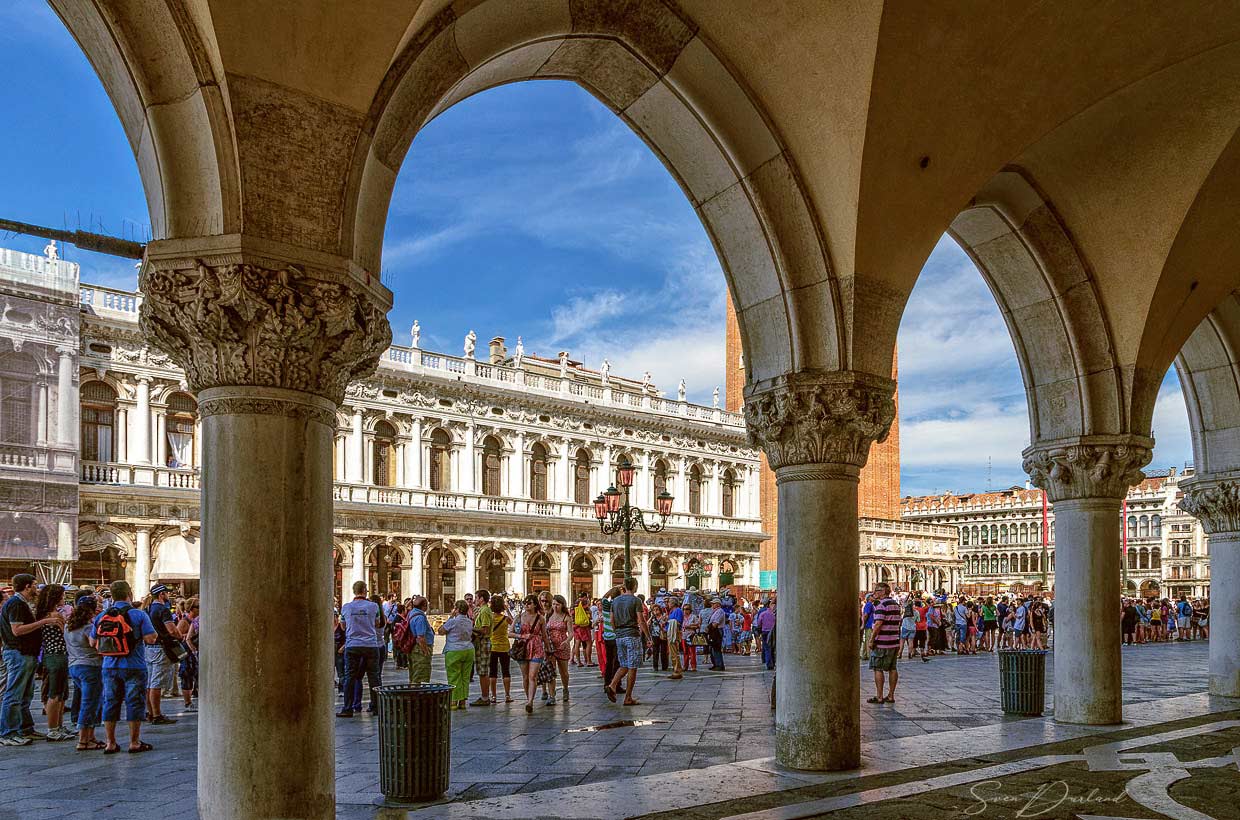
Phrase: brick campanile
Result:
[879,493]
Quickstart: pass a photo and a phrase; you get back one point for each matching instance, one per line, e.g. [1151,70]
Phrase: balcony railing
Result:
[109,299]
[96,472]
[21,455]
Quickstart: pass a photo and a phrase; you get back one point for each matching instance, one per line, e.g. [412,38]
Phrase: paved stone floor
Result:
[719,726]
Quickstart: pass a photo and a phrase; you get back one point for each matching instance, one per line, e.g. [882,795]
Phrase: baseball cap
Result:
[158,589]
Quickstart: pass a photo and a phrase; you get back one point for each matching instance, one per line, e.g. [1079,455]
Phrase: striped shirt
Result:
[887,624]
[608,633]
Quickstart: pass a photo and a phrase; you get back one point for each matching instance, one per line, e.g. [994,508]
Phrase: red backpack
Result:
[402,636]
[113,633]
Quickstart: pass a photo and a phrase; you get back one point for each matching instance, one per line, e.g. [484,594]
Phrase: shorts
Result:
[629,652]
[990,626]
[1183,622]
[499,665]
[919,639]
[160,672]
[962,633]
[482,657]
[883,660]
[582,633]
[127,686]
[57,683]
[907,633]
[419,667]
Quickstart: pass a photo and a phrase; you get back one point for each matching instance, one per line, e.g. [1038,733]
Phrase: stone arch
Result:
[170,101]
[1208,367]
[650,66]
[1073,381]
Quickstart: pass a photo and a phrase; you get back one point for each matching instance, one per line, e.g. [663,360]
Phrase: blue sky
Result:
[531,210]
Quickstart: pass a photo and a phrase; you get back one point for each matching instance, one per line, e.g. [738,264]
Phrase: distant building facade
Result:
[38,413]
[1001,538]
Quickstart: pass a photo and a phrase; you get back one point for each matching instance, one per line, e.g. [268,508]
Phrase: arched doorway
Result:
[582,579]
[384,571]
[660,568]
[440,579]
[491,571]
[727,573]
[693,574]
[540,572]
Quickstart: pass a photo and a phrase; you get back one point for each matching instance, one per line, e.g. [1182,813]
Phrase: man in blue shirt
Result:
[424,637]
[160,669]
[363,637]
[124,676]
[21,636]
[867,625]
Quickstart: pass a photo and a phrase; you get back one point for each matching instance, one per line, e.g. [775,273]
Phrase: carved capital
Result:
[1215,502]
[819,418]
[1091,467]
[229,321]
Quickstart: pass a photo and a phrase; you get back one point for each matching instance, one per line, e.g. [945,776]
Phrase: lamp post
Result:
[616,514]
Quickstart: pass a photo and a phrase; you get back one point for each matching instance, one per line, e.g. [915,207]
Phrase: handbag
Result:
[546,671]
[519,652]
[697,639]
[174,650]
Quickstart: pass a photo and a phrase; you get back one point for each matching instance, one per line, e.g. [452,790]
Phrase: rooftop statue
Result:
[471,342]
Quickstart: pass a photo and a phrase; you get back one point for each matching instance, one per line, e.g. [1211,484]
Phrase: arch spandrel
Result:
[1209,371]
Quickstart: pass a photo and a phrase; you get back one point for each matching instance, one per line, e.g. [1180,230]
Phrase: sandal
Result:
[111,750]
[142,747]
[875,700]
[92,746]
[889,699]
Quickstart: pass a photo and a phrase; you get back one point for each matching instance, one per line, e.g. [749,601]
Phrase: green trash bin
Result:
[415,741]
[1022,681]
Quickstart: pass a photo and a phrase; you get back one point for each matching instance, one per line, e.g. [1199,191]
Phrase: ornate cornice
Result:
[1215,502]
[240,324]
[819,418]
[1090,467]
[233,405]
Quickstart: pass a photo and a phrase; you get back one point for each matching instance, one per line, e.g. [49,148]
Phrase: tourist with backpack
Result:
[417,639]
[120,634]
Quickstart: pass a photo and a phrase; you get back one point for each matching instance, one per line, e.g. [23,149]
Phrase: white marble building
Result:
[451,473]
[1001,537]
[38,412]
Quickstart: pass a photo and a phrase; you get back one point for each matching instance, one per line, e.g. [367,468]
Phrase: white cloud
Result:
[1173,444]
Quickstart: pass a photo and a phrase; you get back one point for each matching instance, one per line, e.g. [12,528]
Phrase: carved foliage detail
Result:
[1215,504]
[240,324]
[820,419]
[1087,470]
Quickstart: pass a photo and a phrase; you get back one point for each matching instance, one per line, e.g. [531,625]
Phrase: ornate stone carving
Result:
[242,324]
[240,405]
[1216,504]
[820,418]
[1088,468]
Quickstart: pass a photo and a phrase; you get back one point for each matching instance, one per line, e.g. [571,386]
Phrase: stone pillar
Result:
[1215,501]
[413,457]
[1086,479]
[816,429]
[140,444]
[608,477]
[142,564]
[602,576]
[356,450]
[268,337]
[679,583]
[566,575]
[469,468]
[516,464]
[643,579]
[66,398]
[39,397]
[518,570]
[419,571]
[565,490]
[714,497]
[358,572]
[161,438]
[122,434]
[471,569]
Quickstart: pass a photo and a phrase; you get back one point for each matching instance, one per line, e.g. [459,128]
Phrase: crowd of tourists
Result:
[542,637]
[120,655]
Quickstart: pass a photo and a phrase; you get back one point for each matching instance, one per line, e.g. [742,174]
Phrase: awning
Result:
[178,559]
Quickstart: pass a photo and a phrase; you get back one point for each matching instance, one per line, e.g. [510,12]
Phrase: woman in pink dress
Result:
[559,627]
[533,632]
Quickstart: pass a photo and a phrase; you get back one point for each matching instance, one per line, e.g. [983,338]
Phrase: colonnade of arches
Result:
[1009,563]
[826,150]
[1025,533]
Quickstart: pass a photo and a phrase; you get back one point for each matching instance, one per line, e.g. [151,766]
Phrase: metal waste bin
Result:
[1022,681]
[415,741]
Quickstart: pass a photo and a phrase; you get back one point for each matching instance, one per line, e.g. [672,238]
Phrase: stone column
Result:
[471,569]
[516,464]
[1086,479]
[566,574]
[358,572]
[469,468]
[679,583]
[413,457]
[140,444]
[602,577]
[39,399]
[518,569]
[142,563]
[608,478]
[643,579]
[354,464]
[566,472]
[66,398]
[419,571]
[816,429]
[1215,501]
[122,434]
[268,337]
[161,438]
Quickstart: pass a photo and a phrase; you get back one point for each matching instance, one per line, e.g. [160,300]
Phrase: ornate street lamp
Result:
[615,513]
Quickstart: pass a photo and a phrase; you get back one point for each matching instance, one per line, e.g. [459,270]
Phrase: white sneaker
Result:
[14,740]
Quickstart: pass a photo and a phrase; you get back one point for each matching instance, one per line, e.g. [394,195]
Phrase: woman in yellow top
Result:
[500,644]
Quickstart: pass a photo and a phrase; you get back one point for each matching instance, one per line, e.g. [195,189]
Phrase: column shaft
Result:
[279,440]
[471,568]
[566,577]
[1088,685]
[1225,614]
[66,398]
[142,563]
[518,570]
[419,572]
[817,721]
[140,450]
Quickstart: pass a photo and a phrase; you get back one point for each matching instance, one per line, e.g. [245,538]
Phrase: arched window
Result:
[581,477]
[1144,559]
[181,423]
[695,490]
[1035,562]
[17,379]
[964,536]
[985,535]
[441,448]
[1175,549]
[1156,526]
[660,477]
[1024,562]
[98,423]
[384,455]
[1003,564]
[1035,530]
[491,461]
[985,565]
[1024,533]
[729,493]
[1155,558]
[1003,534]
[976,537]
[1132,526]
[1145,527]
[538,471]
[994,533]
